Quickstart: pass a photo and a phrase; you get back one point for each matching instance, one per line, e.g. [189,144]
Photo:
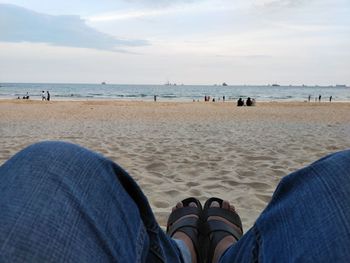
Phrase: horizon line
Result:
[174,84]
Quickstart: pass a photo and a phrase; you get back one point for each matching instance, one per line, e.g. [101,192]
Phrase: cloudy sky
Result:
[183,41]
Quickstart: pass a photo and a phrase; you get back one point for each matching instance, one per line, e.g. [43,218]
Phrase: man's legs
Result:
[307,220]
[62,203]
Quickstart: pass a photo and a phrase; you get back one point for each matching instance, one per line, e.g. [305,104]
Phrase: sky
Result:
[180,41]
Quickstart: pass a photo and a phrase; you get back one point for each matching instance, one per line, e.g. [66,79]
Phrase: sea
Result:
[171,92]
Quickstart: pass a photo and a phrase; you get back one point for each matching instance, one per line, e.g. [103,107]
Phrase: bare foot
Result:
[227,241]
[182,236]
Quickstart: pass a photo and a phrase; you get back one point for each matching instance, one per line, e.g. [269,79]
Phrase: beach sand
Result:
[175,150]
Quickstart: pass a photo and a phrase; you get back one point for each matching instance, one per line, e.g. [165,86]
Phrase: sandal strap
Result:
[219,226]
[215,230]
[181,212]
[187,225]
[229,215]
[183,224]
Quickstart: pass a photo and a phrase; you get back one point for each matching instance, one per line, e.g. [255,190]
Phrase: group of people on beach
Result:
[319,98]
[208,98]
[46,96]
[240,102]
[26,97]
[249,102]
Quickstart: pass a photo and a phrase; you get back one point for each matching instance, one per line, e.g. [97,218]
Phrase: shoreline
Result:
[185,93]
[161,100]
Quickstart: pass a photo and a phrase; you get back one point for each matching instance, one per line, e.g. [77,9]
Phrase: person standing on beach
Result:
[43,97]
[319,98]
[330,98]
[48,95]
[309,98]
[223,98]
[155,98]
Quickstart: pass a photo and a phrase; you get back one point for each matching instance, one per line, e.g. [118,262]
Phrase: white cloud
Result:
[22,25]
[202,41]
[180,8]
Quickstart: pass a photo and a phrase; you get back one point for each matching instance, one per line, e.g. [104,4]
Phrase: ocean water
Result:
[171,93]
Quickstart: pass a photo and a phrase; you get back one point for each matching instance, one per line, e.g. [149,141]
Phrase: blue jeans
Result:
[62,203]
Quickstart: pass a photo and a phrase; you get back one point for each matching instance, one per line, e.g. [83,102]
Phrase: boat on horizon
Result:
[170,84]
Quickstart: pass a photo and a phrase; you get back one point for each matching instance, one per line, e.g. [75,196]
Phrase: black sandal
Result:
[214,231]
[188,225]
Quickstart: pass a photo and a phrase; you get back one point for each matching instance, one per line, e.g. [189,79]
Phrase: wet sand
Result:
[175,150]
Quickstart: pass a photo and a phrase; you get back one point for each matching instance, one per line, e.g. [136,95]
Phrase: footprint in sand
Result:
[258,185]
[191,184]
[262,158]
[196,192]
[231,182]
[210,186]
[172,193]
[161,204]
[246,173]
[156,166]
[155,181]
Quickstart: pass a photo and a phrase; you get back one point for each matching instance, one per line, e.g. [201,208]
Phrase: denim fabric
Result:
[307,220]
[62,203]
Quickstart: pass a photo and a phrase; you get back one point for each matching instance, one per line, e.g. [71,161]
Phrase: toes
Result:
[192,204]
[228,206]
[214,204]
[225,205]
[179,205]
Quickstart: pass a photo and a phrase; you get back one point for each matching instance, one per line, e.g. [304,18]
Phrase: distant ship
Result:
[103,83]
[224,84]
[170,84]
[275,85]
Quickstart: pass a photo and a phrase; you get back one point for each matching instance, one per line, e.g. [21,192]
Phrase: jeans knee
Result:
[50,150]
[49,146]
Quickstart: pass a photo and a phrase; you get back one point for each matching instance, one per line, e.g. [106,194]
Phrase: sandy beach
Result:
[175,150]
